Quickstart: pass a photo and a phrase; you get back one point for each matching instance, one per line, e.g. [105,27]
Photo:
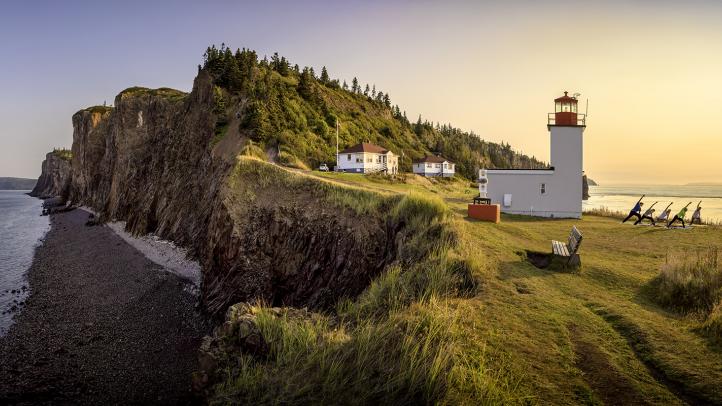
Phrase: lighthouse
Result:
[555,191]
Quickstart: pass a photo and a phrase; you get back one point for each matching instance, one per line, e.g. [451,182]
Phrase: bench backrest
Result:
[575,238]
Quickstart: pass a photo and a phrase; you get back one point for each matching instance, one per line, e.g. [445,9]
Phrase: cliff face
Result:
[152,162]
[54,178]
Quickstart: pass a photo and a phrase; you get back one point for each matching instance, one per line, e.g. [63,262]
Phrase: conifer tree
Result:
[345,85]
[387,100]
[305,86]
[367,90]
[324,76]
[373,92]
[354,85]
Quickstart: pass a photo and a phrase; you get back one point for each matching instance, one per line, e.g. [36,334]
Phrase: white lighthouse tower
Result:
[550,192]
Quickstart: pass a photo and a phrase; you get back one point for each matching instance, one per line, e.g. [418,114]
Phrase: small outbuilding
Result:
[434,166]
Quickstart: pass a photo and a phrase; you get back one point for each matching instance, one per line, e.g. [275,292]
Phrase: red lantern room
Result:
[565,112]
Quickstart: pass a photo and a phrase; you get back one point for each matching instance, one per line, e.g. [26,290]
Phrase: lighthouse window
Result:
[543,188]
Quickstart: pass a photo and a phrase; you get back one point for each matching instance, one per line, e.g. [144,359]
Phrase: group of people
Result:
[664,215]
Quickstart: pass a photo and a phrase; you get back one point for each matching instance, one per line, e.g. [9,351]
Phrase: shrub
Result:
[690,282]
[712,327]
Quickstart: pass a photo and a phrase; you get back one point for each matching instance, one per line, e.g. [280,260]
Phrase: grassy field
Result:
[592,336]
[522,335]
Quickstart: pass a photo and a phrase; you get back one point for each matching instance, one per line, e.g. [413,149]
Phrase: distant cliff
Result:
[17,183]
[55,175]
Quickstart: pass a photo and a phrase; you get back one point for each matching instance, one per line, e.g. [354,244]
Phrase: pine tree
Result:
[324,76]
[345,85]
[373,92]
[305,85]
[387,100]
[354,85]
[367,90]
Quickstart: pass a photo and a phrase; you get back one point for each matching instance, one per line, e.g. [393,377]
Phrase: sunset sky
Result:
[652,70]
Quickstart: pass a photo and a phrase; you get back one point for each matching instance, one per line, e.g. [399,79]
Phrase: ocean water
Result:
[623,198]
[21,231]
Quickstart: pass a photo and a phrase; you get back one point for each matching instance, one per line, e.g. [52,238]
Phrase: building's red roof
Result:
[566,98]
[364,147]
[431,159]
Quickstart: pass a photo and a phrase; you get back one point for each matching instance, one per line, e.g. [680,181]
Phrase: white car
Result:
[323,168]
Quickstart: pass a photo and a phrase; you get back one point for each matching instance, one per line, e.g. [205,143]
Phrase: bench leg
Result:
[574,261]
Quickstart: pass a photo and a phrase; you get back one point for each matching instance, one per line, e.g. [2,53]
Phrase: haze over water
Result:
[21,231]
[623,198]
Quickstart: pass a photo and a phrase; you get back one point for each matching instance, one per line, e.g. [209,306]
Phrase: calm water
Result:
[21,230]
[623,198]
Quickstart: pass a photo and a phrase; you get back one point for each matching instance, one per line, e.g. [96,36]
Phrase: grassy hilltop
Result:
[463,317]
[476,323]
[292,112]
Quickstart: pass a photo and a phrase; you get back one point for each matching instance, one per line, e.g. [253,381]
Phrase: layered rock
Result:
[152,162]
[55,176]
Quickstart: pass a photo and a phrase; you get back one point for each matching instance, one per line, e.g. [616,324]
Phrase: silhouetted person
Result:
[664,217]
[635,211]
[696,216]
[649,215]
[679,216]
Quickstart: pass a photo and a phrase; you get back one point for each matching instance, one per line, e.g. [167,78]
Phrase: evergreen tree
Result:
[373,92]
[354,85]
[345,85]
[305,84]
[387,100]
[324,76]
[367,90]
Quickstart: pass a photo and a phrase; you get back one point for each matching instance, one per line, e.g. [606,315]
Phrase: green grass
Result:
[63,153]
[170,94]
[691,281]
[497,328]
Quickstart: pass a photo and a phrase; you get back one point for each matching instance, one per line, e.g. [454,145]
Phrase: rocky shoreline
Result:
[102,325]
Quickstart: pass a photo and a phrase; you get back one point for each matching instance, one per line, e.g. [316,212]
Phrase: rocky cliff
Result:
[55,176]
[260,231]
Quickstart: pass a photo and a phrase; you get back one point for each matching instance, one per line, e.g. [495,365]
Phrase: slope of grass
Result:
[500,331]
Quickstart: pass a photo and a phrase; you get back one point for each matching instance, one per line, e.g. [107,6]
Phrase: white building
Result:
[434,166]
[557,190]
[367,158]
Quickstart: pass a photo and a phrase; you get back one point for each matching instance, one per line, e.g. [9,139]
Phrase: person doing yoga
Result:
[679,216]
[635,210]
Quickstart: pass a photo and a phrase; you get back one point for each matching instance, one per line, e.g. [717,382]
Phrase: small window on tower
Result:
[543,188]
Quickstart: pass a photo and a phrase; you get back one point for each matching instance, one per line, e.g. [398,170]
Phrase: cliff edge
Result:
[55,176]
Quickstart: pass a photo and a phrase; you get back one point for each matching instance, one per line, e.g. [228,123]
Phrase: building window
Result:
[438,165]
[348,157]
[543,188]
[428,165]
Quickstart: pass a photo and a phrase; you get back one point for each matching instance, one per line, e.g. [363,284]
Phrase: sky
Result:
[650,70]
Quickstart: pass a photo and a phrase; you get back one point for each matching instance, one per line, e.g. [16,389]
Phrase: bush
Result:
[712,327]
[690,282]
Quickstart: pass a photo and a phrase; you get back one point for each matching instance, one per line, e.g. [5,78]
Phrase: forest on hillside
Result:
[295,111]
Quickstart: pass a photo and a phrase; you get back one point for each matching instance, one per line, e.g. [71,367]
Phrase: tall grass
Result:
[604,211]
[691,281]
[399,342]
[401,360]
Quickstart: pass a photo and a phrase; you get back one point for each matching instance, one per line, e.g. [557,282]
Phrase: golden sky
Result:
[652,70]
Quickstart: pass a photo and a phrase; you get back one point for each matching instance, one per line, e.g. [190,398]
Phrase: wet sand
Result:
[102,325]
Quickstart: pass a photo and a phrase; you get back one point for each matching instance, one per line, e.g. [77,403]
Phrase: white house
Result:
[367,158]
[551,192]
[434,166]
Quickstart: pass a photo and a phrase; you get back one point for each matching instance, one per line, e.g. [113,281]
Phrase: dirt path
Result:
[103,325]
[608,384]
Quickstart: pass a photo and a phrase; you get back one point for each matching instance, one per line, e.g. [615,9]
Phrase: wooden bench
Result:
[569,250]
